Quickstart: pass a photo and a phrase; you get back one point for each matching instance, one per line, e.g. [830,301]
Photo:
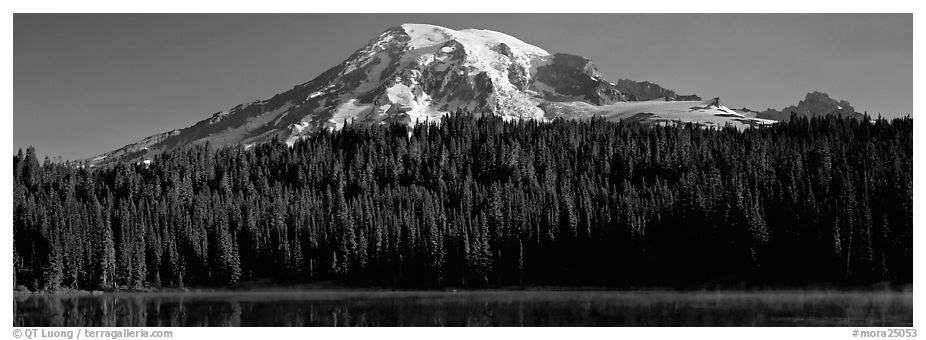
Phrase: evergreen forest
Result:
[480,202]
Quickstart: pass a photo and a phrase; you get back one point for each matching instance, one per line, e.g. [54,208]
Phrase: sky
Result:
[84,84]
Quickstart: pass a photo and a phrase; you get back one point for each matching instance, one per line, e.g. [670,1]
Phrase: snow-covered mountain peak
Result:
[425,35]
[416,73]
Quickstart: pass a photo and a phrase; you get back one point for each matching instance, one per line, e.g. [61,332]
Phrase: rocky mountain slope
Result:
[814,104]
[418,73]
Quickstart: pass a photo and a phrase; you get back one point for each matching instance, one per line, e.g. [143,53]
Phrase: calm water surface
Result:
[466,308]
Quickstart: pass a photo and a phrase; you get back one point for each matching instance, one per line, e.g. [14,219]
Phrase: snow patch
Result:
[346,112]
[659,111]
[400,94]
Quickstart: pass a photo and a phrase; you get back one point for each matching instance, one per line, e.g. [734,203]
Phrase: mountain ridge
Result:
[815,103]
[418,73]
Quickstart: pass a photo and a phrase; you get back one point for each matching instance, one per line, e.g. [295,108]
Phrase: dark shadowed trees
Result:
[483,202]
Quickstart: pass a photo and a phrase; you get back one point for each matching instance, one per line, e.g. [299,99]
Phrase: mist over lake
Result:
[302,308]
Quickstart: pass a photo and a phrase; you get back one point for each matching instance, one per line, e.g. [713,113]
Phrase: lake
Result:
[466,308]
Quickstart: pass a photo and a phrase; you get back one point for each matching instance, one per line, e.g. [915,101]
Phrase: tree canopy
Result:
[476,202]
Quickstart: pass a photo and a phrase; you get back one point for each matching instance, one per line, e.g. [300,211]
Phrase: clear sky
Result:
[90,83]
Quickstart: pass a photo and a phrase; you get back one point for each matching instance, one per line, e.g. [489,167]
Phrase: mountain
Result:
[418,73]
[814,104]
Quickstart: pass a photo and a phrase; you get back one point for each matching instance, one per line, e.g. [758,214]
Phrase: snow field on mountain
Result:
[700,112]
[419,73]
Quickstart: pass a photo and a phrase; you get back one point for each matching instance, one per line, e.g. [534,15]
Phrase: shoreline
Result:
[264,287]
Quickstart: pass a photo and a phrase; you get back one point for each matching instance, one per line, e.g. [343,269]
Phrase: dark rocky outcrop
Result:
[643,90]
[577,77]
[688,97]
[814,104]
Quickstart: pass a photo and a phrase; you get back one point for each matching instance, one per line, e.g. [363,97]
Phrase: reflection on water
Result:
[470,308]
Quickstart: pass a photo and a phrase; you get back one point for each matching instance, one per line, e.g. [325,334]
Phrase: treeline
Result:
[483,202]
